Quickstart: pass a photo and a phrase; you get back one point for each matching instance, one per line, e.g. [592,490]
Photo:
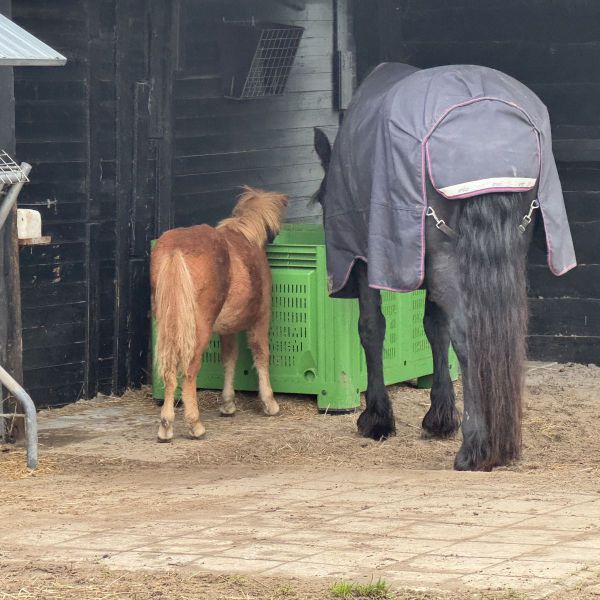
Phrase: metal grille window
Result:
[258,57]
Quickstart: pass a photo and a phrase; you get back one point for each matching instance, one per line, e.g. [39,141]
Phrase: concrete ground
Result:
[431,530]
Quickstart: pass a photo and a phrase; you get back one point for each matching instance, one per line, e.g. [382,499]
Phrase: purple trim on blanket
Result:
[429,170]
[548,242]
[565,270]
[389,289]
[375,287]
[341,287]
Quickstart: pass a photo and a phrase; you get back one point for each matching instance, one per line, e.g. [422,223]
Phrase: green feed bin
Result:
[314,342]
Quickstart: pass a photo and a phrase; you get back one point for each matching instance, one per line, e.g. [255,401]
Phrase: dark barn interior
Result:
[134,135]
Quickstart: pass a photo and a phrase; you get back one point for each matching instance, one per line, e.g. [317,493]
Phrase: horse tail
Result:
[492,260]
[175,312]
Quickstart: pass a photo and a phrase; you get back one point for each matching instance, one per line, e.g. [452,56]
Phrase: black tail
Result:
[492,259]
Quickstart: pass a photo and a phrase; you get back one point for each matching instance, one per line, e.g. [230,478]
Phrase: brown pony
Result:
[207,280]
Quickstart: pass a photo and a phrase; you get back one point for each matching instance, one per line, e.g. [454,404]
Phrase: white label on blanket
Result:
[487,184]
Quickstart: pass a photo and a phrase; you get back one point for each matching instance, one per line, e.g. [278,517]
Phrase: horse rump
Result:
[491,255]
[174,301]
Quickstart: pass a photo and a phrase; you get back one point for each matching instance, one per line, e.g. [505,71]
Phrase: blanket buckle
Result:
[527,218]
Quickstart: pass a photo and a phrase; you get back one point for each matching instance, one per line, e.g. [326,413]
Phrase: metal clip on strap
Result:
[527,218]
[441,224]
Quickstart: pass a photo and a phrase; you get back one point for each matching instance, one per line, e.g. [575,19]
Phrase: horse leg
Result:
[229,351]
[474,450]
[444,291]
[167,412]
[442,419]
[258,340]
[377,420]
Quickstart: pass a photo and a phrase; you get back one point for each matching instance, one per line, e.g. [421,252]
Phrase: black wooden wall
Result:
[131,137]
[553,46]
[53,132]
[78,126]
[222,144]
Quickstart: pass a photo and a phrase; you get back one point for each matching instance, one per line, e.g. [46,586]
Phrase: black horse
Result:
[475,253]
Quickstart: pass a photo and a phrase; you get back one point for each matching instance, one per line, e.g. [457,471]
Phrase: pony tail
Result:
[175,311]
[492,260]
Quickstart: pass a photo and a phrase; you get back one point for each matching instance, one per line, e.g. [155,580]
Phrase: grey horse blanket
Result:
[470,129]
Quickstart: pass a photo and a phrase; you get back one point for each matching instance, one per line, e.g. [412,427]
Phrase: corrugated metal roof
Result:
[19,48]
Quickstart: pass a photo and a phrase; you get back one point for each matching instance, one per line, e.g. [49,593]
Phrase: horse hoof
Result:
[197,437]
[472,459]
[440,424]
[226,414]
[376,427]
[163,440]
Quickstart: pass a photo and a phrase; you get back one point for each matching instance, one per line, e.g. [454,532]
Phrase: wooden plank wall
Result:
[98,133]
[222,144]
[553,46]
[65,125]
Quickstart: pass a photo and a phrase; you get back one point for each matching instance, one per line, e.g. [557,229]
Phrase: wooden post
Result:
[11,345]
[14,346]
[344,54]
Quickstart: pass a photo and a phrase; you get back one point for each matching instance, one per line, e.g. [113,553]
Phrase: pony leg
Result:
[258,340]
[190,404]
[188,393]
[377,420]
[442,420]
[167,412]
[229,351]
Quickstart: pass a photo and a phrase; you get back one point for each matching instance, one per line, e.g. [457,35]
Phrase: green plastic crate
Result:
[314,342]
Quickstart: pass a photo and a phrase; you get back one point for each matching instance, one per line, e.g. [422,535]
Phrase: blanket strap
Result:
[441,224]
[446,229]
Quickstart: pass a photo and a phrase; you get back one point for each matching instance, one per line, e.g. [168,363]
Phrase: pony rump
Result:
[175,310]
[492,256]
[257,215]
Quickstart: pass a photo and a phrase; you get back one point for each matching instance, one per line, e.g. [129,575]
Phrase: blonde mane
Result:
[257,215]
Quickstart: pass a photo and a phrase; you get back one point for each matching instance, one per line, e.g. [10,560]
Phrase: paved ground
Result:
[108,495]
[414,529]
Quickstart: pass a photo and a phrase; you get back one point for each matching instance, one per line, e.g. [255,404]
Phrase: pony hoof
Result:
[198,432]
[271,411]
[165,431]
[376,427]
[227,409]
[164,440]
